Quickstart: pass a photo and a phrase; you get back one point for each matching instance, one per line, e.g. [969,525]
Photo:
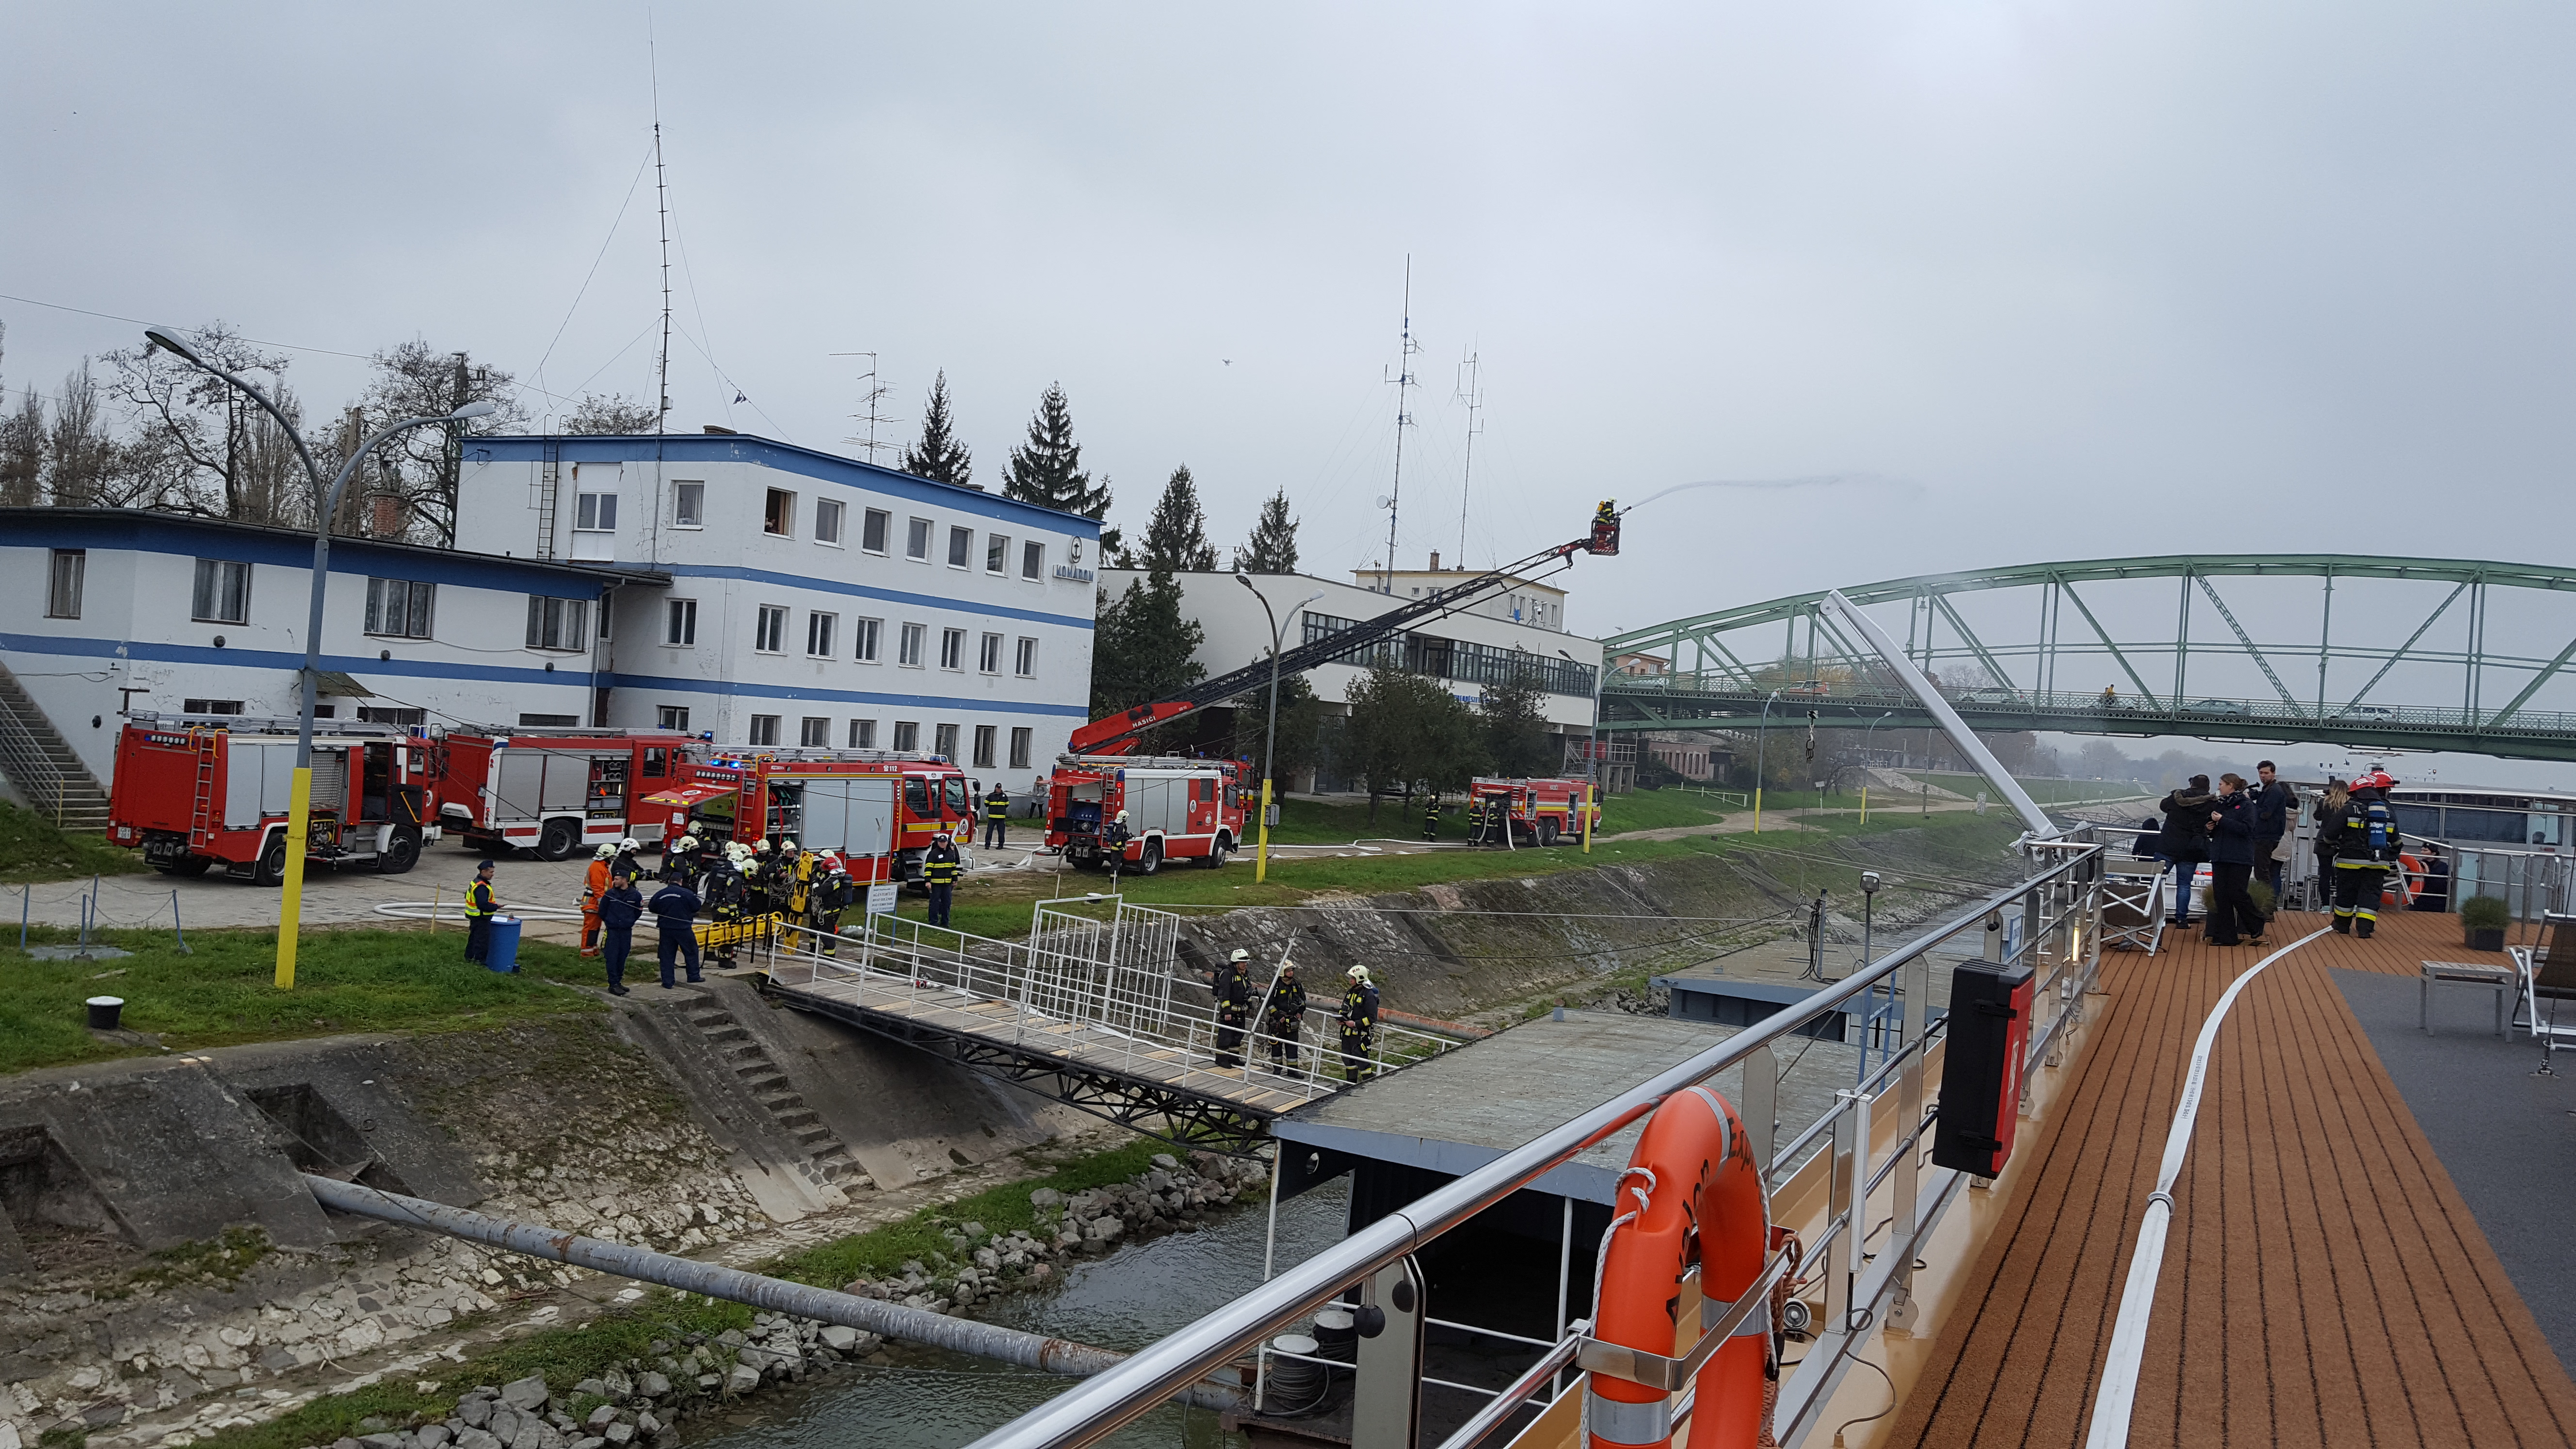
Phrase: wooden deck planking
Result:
[2324,1284]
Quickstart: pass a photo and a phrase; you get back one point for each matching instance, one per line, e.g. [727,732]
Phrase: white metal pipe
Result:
[1957,729]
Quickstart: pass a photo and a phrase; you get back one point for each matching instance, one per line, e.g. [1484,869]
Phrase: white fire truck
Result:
[553,791]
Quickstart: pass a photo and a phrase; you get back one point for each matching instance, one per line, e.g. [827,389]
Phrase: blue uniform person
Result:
[997,814]
[939,868]
[480,906]
[619,908]
[675,907]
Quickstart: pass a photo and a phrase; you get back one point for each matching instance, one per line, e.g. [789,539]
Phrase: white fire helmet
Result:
[1359,974]
[604,852]
[1240,954]
[629,843]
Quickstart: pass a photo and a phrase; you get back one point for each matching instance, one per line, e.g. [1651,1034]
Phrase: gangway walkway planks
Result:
[1083,1011]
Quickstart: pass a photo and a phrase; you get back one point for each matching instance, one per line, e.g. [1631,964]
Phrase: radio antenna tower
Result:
[1403,419]
[872,391]
[1470,392]
[662,198]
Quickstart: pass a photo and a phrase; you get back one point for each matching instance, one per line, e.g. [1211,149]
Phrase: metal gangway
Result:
[1085,1011]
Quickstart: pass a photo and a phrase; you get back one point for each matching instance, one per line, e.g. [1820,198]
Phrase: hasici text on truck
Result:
[879,811]
[552,791]
[199,792]
[1176,809]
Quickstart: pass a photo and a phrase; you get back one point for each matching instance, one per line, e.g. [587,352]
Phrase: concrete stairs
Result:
[768,1085]
[41,767]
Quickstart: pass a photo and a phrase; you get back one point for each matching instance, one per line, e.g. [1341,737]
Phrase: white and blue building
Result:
[105,612]
[798,598]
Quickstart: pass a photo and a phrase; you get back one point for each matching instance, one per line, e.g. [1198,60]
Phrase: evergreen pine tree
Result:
[1047,471]
[1142,649]
[1272,548]
[936,454]
[1176,539]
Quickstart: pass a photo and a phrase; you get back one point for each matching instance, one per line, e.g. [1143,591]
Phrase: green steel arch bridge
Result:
[2369,653]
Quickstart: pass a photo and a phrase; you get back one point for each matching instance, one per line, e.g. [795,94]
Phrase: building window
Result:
[63,583]
[827,521]
[961,546]
[764,730]
[1022,737]
[595,513]
[916,540]
[769,631]
[680,623]
[1025,664]
[907,735]
[872,530]
[952,649]
[819,628]
[988,654]
[863,633]
[673,717]
[778,515]
[214,706]
[997,554]
[863,734]
[944,741]
[222,593]
[1032,560]
[814,733]
[557,623]
[387,715]
[548,721]
[399,607]
[986,736]
[689,505]
[908,651]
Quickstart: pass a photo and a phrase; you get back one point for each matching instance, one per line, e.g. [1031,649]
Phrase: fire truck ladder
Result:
[201,814]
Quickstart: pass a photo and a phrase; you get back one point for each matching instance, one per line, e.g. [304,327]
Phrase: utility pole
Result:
[1471,393]
[871,392]
[1405,349]
[662,200]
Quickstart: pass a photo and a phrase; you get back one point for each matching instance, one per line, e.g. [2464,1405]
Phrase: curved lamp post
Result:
[1760,739]
[1864,768]
[1270,737]
[327,501]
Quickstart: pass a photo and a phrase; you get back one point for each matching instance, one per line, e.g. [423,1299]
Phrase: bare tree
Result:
[199,444]
[22,446]
[416,380]
[79,454]
[599,413]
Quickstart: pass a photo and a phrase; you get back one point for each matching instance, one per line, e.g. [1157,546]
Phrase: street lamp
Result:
[1269,737]
[327,502]
[1865,762]
[1591,747]
[1760,739]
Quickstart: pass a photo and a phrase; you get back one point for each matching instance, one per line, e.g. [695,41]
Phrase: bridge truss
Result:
[2394,675]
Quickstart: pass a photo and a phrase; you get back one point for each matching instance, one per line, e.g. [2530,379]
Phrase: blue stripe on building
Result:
[354,665]
[737,690]
[182,537]
[837,586]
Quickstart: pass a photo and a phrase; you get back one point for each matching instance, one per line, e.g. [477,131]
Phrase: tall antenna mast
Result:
[1403,419]
[1472,394]
[662,197]
[872,393]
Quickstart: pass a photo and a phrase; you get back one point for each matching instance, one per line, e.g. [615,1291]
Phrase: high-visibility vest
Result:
[479,901]
[939,870]
[997,807]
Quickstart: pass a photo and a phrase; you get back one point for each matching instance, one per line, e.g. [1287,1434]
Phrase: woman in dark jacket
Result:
[2186,840]
[2231,865]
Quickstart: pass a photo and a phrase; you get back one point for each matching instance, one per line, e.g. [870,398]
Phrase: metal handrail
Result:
[1091,1411]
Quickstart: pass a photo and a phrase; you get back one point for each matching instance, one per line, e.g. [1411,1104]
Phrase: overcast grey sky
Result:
[2054,280]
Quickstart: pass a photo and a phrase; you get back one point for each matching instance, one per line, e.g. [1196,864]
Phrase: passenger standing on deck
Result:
[1233,990]
[620,907]
[939,868]
[2186,840]
[2276,810]
[480,905]
[675,910]
[2366,844]
[1283,1020]
[1359,1025]
[593,886]
[2232,841]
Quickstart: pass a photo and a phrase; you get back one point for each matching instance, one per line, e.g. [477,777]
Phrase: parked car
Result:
[2218,706]
[2366,714]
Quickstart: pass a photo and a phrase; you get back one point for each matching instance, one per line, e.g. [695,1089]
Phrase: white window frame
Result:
[916,540]
[673,717]
[988,654]
[769,629]
[594,512]
[1033,560]
[764,732]
[867,638]
[679,623]
[1023,744]
[961,547]
[943,742]
[952,650]
[833,510]
[404,595]
[822,632]
[907,735]
[911,646]
[863,734]
[881,523]
[66,573]
[1024,661]
[997,554]
[207,597]
[814,732]
[688,504]
[775,493]
[559,626]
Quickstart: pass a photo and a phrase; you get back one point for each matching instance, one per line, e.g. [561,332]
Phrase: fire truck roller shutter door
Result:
[518,785]
[330,780]
[1150,804]
[852,816]
[259,779]
[567,782]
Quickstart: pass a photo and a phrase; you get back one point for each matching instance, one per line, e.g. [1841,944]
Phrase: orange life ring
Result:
[1702,1200]
[2405,883]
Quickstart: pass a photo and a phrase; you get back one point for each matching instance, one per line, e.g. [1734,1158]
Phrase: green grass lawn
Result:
[31,849]
[1322,822]
[223,992]
[2046,792]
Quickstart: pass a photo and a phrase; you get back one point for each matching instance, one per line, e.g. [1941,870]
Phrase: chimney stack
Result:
[1435,560]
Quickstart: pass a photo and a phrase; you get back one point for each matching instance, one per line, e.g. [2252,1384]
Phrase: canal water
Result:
[932,1400]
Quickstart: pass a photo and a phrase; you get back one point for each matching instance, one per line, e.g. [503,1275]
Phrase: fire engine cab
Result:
[552,791]
[201,791]
[878,810]
[1509,812]
[1177,809]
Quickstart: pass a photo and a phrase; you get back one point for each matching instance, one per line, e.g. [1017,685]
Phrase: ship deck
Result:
[2326,1281]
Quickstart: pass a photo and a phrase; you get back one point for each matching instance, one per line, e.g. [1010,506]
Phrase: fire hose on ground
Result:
[890,1320]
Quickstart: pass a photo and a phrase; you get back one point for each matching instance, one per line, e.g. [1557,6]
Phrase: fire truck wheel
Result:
[1150,859]
[559,839]
[1216,854]
[1547,832]
[399,855]
[271,869]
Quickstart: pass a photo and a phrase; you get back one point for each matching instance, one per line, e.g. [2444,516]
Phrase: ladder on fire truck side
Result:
[201,812]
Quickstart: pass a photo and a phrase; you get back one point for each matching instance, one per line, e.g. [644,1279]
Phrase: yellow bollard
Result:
[1587,819]
[1261,853]
[1757,807]
[435,892]
[290,908]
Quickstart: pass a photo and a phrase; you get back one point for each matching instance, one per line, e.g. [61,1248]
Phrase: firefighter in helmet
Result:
[940,867]
[1358,1019]
[2366,844]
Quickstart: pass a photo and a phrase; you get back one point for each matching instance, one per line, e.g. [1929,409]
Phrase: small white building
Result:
[105,612]
[812,600]
[1518,600]
[1467,650]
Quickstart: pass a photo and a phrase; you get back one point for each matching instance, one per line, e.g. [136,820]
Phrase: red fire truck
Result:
[877,809]
[1536,811]
[552,791]
[200,791]
[1176,809]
